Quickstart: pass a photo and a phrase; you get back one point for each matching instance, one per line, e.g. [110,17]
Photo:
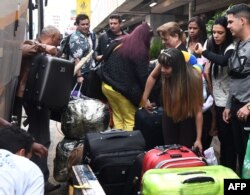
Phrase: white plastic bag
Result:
[210,156]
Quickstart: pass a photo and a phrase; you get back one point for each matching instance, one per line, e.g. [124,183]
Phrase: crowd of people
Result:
[127,82]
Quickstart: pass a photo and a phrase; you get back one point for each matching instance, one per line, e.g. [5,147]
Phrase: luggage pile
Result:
[137,162]
[82,115]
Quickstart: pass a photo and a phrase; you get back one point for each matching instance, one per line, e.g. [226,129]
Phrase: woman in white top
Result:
[218,50]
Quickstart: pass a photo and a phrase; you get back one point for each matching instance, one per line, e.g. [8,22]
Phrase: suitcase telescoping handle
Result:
[166,148]
[198,179]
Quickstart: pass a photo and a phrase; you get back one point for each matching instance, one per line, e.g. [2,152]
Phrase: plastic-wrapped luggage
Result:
[84,115]
[206,180]
[63,150]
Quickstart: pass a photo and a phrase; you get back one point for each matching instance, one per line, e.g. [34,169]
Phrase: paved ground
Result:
[56,136]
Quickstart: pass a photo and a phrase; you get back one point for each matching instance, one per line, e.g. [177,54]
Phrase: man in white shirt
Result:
[19,175]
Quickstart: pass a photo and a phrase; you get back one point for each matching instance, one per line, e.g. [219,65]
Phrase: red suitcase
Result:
[171,156]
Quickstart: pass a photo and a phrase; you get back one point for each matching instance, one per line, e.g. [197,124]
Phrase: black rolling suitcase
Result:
[49,82]
[111,155]
[150,124]
[133,183]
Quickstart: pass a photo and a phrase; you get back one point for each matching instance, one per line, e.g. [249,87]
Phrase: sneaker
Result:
[49,187]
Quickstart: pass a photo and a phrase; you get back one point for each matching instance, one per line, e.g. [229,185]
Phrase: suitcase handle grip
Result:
[166,148]
[114,133]
[200,179]
[192,172]
[114,136]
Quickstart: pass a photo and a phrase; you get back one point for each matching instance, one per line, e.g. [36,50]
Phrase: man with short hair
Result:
[38,119]
[238,105]
[81,42]
[19,175]
[114,32]
[111,34]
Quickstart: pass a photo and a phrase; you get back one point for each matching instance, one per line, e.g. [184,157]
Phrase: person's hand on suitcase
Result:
[197,144]
[52,50]
[147,105]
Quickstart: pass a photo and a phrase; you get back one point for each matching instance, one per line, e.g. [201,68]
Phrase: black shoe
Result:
[49,187]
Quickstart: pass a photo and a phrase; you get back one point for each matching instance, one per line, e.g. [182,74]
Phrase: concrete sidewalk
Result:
[56,136]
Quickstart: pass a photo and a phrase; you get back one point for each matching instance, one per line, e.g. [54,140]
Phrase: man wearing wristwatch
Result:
[238,105]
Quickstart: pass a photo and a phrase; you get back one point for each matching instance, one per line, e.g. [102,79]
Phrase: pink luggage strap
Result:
[164,162]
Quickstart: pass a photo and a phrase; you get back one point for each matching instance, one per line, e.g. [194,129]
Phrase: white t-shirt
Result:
[221,83]
[19,175]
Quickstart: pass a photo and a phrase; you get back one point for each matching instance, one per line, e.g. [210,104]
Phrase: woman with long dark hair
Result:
[182,100]
[218,50]
[196,33]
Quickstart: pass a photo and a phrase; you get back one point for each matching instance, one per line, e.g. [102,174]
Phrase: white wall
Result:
[100,9]
[58,13]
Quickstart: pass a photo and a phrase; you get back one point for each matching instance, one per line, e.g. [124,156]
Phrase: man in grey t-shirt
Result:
[238,104]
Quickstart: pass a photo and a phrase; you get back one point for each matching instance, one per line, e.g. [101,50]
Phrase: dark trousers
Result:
[183,132]
[38,120]
[207,121]
[17,109]
[240,136]
[225,135]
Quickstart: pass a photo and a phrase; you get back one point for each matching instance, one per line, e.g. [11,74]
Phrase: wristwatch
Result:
[248,106]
